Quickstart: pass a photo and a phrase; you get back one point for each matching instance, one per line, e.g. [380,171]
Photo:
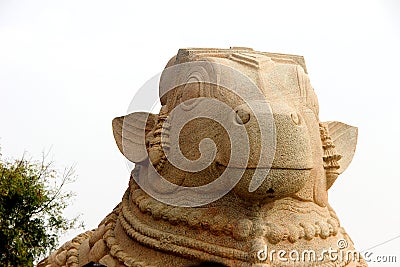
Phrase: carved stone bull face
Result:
[266,101]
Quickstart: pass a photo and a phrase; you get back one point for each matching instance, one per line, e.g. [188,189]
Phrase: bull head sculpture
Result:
[235,165]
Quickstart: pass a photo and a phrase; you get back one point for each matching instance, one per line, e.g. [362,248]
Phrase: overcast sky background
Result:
[67,68]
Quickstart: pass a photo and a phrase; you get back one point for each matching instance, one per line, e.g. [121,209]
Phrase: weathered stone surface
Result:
[265,126]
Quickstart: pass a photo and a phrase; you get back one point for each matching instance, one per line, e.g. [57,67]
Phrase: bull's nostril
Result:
[270,191]
[295,118]
[242,116]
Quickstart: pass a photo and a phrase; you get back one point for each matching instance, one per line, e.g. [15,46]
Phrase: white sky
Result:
[67,68]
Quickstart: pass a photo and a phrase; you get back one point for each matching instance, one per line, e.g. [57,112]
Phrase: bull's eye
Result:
[242,116]
[295,118]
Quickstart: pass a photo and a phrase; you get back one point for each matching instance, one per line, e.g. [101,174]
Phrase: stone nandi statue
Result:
[235,169]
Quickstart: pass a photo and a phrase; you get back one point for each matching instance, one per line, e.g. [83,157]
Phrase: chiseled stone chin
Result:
[280,198]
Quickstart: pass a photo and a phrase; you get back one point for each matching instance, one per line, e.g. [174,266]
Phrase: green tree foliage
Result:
[32,201]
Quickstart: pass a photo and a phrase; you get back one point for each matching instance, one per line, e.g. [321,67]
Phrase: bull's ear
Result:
[130,134]
[344,137]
